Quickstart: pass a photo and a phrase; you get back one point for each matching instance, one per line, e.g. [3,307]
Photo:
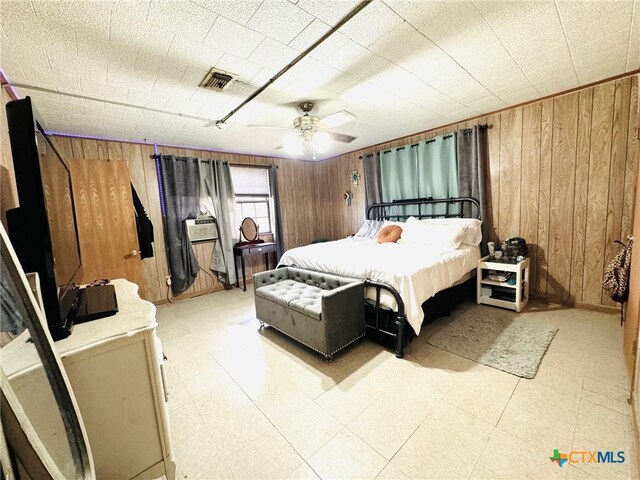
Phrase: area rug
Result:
[502,339]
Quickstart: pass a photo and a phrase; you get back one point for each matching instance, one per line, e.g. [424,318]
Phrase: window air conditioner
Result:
[202,229]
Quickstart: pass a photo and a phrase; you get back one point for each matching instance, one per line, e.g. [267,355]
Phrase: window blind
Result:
[250,180]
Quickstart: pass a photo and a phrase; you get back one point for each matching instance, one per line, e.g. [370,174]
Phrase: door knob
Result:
[133,253]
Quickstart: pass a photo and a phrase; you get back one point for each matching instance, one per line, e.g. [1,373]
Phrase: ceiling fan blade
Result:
[271,127]
[341,137]
[336,119]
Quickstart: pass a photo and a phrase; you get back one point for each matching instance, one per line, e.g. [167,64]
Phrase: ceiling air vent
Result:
[217,80]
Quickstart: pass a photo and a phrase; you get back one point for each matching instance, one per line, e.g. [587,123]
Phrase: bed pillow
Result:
[370,229]
[472,228]
[443,236]
[390,234]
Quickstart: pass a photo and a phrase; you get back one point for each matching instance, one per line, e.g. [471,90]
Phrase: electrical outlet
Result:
[168,279]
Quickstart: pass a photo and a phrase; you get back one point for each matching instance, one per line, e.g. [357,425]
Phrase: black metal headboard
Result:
[396,210]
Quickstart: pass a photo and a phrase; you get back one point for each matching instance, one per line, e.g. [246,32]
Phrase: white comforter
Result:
[417,272]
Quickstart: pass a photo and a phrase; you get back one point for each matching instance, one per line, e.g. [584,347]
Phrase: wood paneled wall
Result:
[561,174]
[293,176]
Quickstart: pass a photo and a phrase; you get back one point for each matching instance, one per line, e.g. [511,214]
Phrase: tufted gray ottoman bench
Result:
[322,311]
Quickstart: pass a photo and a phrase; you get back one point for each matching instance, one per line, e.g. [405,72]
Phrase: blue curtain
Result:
[437,172]
[425,169]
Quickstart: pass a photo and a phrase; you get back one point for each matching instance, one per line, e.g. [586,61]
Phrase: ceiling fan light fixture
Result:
[293,143]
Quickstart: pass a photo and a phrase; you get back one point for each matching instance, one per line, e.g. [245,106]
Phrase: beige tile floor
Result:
[250,403]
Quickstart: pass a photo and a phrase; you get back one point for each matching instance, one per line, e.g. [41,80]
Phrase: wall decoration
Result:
[355,177]
[348,196]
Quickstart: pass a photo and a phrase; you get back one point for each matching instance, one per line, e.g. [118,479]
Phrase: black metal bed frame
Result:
[384,211]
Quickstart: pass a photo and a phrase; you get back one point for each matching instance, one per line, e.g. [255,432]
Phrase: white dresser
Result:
[116,371]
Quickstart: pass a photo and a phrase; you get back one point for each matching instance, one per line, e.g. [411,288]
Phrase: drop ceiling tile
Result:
[488,104]
[244,69]
[123,76]
[551,74]
[402,42]
[514,96]
[76,66]
[279,20]
[617,55]
[436,68]
[633,56]
[586,46]
[170,89]
[468,92]
[61,14]
[128,35]
[545,58]
[598,72]
[335,42]
[329,12]
[273,54]
[371,23]
[239,11]
[13,71]
[461,114]
[609,15]
[146,98]
[193,54]
[311,33]
[159,68]
[233,38]
[263,76]
[181,17]
[516,25]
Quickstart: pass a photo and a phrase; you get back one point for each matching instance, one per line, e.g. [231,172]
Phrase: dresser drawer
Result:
[260,249]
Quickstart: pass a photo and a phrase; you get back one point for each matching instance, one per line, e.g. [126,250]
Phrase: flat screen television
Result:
[43,229]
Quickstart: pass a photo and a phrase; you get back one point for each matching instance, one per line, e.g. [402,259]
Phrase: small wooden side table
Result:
[249,250]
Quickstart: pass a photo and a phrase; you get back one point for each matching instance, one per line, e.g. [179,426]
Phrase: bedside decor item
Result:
[355,177]
[390,233]
[498,338]
[348,196]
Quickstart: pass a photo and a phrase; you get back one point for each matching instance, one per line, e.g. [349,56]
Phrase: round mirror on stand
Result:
[249,229]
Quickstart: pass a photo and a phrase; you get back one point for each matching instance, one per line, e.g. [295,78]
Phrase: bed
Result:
[399,277]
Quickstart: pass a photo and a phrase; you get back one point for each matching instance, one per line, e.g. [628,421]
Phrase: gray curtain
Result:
[372,184]
[472,158]
[216,194]
[277,216]
[180,184]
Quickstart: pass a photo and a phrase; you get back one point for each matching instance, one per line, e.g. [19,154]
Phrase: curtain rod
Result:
[157,156]
[464,130]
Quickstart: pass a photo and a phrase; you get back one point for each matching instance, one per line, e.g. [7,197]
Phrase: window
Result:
[253,196]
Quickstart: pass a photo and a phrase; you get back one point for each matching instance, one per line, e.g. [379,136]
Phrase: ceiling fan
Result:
[311,131]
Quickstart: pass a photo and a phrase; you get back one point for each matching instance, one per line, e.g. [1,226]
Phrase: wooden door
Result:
[106,221]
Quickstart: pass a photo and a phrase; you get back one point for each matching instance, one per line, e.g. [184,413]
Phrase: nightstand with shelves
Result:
[503,294]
